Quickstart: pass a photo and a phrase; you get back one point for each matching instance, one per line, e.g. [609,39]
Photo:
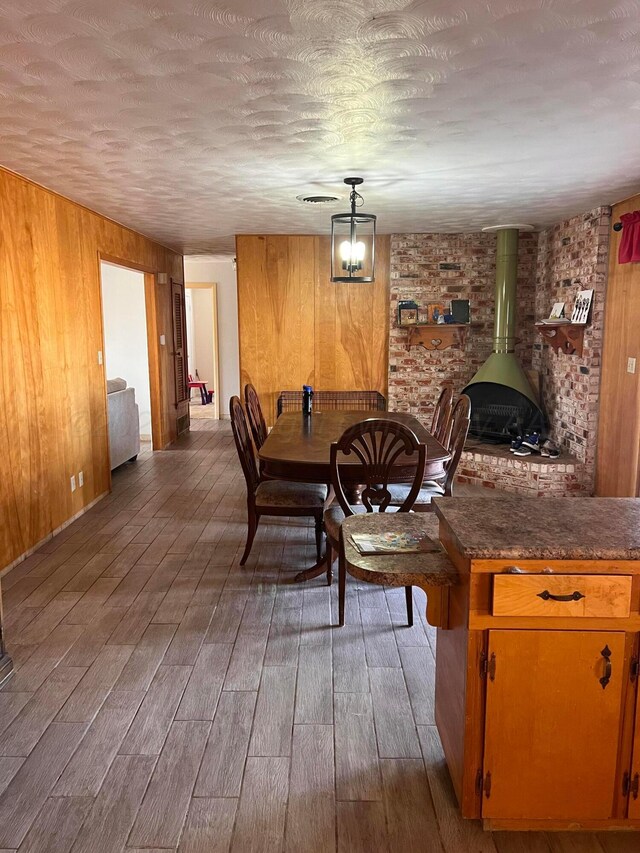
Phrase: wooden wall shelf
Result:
[436,336]
[567,338]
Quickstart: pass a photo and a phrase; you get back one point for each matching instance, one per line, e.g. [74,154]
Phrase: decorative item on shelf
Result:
[460,310]
[435,311]
[407,312]
[581,307]
[556,318]
[353,238]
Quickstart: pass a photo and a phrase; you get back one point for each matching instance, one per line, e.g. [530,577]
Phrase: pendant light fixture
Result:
[353,239]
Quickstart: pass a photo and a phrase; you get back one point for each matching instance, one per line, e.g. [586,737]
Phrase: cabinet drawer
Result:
[562,595]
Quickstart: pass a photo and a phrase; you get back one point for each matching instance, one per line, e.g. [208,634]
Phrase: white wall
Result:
[202,359]
[220,270]
[125,335]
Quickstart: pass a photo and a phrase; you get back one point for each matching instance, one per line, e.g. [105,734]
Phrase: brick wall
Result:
[572,256]
[552,266]
[439,268]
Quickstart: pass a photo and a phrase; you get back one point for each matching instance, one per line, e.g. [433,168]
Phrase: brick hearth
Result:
[495,467]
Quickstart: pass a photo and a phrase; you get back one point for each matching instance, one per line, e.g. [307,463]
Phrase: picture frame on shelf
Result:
[556,317]
[582,307]
[407,312]
[435,310]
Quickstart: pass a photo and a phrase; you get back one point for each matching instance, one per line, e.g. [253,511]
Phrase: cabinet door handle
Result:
[606,656]
[635,786]
[545,595]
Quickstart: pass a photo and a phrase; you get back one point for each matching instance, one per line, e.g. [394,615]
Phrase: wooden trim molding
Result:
[618,456]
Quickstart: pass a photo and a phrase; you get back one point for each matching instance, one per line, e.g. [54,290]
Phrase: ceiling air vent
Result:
[318,199]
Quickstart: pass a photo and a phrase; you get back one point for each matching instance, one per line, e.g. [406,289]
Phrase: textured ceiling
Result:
[192,120]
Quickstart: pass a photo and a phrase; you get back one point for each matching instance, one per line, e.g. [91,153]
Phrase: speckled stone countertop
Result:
[522,528]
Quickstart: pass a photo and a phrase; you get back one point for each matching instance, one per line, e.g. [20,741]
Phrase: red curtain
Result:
[630,243]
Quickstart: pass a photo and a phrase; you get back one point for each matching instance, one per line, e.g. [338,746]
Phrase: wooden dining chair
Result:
[460,420]
[377,447]
[272,497]
[256,418]
[441,422]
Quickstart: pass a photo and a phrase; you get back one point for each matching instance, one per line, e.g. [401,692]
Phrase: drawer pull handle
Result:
[545,595]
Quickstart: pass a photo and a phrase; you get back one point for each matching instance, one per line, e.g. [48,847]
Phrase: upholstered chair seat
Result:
[399,493]
[280,493]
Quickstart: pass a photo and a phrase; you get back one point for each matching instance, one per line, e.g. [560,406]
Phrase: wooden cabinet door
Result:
[552,724]
[634,779]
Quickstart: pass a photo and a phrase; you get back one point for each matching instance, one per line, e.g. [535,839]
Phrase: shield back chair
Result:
[442,414]
[377,447]
[460,421]
[256,418]
[272,497]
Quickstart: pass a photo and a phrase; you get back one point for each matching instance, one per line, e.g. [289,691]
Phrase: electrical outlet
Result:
[81,479]
[631,365]
[99,356]
[73,483]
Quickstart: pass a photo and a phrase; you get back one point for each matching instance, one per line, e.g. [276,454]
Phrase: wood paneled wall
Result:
[53,415]
[618,456]
[296,327]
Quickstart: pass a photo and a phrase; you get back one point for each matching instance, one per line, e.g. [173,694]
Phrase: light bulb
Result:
[345,251]
[359,251]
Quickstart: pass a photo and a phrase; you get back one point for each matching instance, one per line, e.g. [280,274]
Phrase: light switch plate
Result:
[163,340]
[631,365]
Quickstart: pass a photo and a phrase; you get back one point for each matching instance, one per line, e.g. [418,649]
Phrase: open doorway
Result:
[126,361]
[201,310]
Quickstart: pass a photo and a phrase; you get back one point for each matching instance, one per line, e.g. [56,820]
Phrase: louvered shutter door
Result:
[179,342]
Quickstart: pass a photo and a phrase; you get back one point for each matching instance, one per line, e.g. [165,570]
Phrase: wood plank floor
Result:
[167,699]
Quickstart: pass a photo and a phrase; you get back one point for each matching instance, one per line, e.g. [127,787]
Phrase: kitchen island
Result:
[537,668]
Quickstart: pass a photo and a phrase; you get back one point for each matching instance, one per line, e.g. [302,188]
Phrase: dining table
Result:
[298,449]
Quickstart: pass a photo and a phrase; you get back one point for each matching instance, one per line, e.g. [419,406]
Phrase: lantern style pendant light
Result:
[353,239]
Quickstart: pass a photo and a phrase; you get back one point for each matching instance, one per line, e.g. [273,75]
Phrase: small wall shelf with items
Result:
[434,326]
[436,336]
[563,334]
[567,338]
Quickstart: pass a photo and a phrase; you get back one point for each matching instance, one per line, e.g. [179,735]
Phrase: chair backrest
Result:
[441,423]
[460,420]
[256,418]
[243,444]
[345,401]
[378,446]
